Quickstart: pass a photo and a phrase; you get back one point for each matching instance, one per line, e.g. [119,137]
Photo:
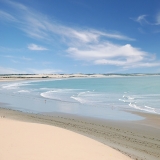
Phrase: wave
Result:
[145,108]
[77,96]
[122,100]
[23,91]
[13,85]
[149,107]
[128,97]
[139,102]
[81,100]
[59,94]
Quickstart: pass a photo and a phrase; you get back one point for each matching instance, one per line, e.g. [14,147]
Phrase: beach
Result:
[136,140]
[79,80]
[33,141]
[96,137]
[13,77]
[21,140]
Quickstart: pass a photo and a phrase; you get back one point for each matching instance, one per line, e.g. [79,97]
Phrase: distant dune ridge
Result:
[78,75]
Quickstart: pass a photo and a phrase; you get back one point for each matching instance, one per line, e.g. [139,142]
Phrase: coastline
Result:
[134,139]
[14,77]
[151,119]
[43,77]
[139,140]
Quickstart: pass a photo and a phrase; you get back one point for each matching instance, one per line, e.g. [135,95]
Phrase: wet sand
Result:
[137,139]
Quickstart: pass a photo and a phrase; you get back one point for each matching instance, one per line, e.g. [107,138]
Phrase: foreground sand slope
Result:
[31,141]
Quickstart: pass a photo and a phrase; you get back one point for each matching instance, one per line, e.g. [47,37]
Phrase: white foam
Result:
[128,97]
[23,91]
[44,88]
[48,94]
[73,95]
[131,98]
[59,94]
[122,100]
[147,109]
[11,86]
[81,93]
[90,98]
[81,100]
[14,85]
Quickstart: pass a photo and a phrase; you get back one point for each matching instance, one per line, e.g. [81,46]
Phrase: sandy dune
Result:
[31,141]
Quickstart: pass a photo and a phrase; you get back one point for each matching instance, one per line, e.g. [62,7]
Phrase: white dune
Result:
[31,141]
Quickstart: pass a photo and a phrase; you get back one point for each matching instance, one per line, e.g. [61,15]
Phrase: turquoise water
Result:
[93,97]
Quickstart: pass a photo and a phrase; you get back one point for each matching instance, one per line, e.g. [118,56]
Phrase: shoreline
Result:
[150,119]
[15,77]
[139,139]
[134,139]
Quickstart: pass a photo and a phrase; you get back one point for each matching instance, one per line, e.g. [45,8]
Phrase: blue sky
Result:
[85,36]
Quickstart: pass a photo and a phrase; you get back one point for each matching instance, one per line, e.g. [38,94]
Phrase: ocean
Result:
[106,98]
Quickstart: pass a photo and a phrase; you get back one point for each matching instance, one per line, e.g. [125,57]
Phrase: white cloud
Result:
[5,70]
[125,56]
[42,28]
[26,59]
[158,19]
[105,50]
[46,29]
[141,19]
[35,47]
[38,26]
[17,58]
[8,56]
[10,50]
[7,16]
[43,71]
[85,44]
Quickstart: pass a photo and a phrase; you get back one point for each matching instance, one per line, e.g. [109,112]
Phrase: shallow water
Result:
[94,97]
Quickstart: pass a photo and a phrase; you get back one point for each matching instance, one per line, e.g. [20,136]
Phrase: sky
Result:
[79,36]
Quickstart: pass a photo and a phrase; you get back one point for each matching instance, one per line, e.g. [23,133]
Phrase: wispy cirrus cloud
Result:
[84,44]
[17,58]
[44,71]
[37,25]
[158,19]
[141,19]
[26,59]
[35,47]
[6,16]
[149,24]
[6,70]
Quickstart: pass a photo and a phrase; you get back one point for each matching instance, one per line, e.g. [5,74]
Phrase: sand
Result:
[15,77]
[139,140]
[134,139]
[32,141]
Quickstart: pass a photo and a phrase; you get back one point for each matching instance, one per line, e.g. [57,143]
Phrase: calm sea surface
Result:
[105,98]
